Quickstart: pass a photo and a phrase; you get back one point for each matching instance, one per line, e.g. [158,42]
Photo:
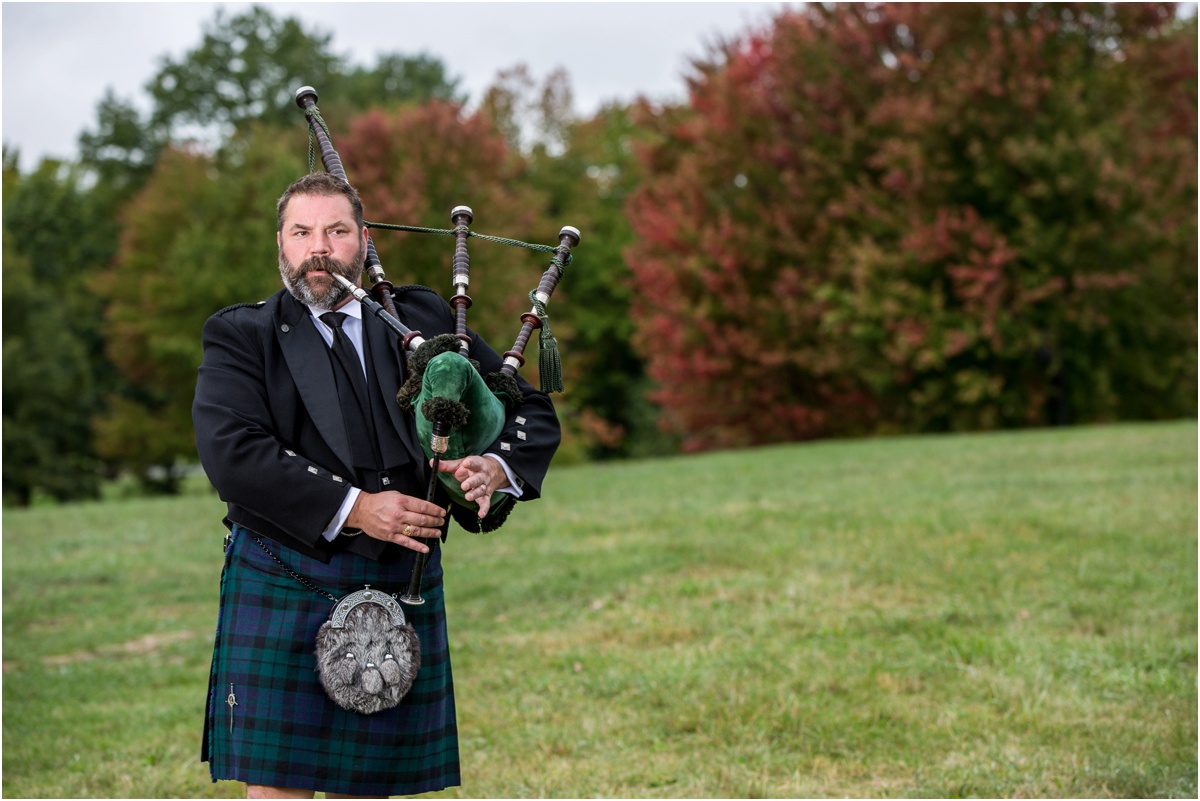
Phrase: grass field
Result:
[976,615]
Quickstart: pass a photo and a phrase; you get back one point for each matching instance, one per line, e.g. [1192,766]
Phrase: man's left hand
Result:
[479,477]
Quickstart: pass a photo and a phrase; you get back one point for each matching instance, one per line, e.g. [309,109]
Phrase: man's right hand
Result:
[393,517]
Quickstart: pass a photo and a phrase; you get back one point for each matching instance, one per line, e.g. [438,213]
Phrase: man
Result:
[309,495]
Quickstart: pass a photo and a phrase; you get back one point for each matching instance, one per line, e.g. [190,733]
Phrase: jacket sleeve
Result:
[240,449]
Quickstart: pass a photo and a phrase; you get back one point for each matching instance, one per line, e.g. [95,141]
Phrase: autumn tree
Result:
[412,166]
[924,217]
[585,170]
[215,113]
[201,235]
[198,237]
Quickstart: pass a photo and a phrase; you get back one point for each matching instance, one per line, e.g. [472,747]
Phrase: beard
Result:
[320,291]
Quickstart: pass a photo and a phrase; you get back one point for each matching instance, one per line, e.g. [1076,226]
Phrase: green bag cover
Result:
[453,390]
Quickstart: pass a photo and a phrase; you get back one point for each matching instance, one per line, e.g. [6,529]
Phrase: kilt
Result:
[283,729]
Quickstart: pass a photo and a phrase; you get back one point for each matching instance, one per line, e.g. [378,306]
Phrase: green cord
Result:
[416,229]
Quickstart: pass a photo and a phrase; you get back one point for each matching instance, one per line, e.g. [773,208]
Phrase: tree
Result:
[200,236]
[588,185]
[53,370]
[531,117]
[925,217]
[394,80]
[247,67]
[122,150]
[412,166]
[585,170]
[189,191]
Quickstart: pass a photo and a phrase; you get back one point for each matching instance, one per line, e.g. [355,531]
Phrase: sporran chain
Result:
[293,573]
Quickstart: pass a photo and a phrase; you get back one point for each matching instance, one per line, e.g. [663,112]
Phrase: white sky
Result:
[58,58]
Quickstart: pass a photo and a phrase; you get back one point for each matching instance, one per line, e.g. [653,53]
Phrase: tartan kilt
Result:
[283,730]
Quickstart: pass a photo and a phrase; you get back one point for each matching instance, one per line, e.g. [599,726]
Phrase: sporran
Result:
[367,654]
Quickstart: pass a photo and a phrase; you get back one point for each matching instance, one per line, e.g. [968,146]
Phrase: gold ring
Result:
[406,530]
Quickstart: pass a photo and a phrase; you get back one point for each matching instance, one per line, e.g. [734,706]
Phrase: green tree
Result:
[199,236]
[246,67]
[167,181]
[926,217]
[121,151]
[585,169]
[393,80]
[249,65]
[589,182]
[53,365]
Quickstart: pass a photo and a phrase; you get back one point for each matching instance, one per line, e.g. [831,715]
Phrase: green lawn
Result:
[977,615]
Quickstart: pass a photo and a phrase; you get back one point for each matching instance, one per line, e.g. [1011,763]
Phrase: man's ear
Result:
[279,239]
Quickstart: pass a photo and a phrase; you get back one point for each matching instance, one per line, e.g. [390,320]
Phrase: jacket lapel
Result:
[307,358]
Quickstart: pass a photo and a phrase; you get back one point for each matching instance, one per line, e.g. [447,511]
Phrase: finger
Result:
[423,533]
[420,509]
[406,539]
[477,485]
[433,521]
[414,534]
[448,465]
[485,503]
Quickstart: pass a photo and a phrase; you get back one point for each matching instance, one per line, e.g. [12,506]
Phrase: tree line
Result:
[865,218]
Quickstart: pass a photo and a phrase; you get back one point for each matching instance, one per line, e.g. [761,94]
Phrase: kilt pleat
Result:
[282,729]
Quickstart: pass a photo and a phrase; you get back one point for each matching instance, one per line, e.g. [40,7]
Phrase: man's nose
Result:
[319,244]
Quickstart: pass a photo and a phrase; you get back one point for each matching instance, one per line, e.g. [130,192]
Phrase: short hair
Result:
[319,183]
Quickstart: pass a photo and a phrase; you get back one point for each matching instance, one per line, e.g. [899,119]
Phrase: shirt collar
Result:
[351,309]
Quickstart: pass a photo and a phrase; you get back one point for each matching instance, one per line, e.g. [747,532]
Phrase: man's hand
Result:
[479,477]
[397,518]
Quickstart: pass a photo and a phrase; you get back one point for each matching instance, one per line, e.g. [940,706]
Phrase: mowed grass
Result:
[976,615]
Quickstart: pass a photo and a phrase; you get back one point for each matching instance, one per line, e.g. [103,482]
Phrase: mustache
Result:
[325,263]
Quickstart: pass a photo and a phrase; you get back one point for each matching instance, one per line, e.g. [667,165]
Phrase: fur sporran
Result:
[367,655]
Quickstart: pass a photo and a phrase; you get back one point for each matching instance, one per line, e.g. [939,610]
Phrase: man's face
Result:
[319,238]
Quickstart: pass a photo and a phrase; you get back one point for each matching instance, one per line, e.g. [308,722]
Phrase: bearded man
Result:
[325,479]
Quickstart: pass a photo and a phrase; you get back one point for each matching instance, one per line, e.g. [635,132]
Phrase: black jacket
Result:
[270,431]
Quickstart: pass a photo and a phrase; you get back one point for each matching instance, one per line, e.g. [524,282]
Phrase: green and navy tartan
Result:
[283,730]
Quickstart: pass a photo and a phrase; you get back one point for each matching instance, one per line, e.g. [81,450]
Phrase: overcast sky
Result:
[60,57]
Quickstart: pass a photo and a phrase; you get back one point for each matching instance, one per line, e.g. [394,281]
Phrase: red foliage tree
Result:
[412,166]
[923,217]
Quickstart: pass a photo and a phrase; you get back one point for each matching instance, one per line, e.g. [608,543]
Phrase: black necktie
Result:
[352,393]
[347,356]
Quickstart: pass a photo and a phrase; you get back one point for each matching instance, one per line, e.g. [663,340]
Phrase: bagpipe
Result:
[458,411]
